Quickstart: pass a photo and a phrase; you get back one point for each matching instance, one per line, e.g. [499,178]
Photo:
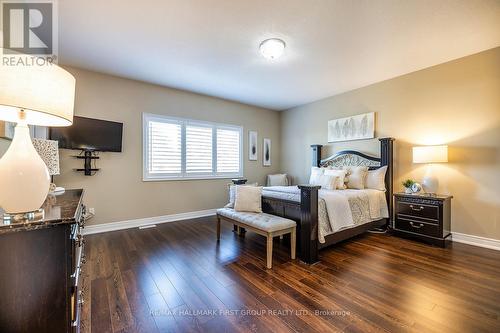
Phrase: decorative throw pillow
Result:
[357,176]
[232,194]
[328,182]
[341,176]
[375,179]
[277,180]
[248,199]
[315,174]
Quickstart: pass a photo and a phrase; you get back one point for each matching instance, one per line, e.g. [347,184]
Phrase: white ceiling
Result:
[211,46]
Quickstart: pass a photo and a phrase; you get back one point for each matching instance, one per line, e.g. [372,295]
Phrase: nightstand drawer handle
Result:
[416,226]
[416,209]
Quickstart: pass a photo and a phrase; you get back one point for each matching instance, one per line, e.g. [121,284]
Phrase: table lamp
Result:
[429,155]
[30,95]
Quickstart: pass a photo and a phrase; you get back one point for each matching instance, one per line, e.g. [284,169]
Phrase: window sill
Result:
[191,178]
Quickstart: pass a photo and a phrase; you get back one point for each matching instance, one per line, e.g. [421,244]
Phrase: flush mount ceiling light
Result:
[272,48]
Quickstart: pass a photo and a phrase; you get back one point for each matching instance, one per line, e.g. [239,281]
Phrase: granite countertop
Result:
[58,209]
[424,195]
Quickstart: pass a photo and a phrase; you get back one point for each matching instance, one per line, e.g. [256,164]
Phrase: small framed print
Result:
[252,146]
[266,158]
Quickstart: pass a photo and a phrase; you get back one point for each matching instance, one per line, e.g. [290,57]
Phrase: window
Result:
[176,148]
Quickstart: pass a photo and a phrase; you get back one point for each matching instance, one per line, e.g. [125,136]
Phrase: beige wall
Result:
[457,103]
[117,192]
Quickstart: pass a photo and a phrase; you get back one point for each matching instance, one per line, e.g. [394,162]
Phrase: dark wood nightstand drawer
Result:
[414,226]
[423,210]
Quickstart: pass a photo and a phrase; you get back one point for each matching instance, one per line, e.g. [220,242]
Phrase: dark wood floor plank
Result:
[101,315]
[142,315]
[177,278]
[149,260]
[121,316]
[161,313]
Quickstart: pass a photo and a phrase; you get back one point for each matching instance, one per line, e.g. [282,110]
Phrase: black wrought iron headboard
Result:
[351,158]
[356,158]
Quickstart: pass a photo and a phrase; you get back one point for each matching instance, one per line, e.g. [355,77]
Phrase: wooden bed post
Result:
[308,234]
[387,158]
[316,155]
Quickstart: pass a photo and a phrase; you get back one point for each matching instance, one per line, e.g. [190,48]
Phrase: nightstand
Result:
[424,217]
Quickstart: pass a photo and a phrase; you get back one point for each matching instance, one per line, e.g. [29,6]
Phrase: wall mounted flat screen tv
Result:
[89,134]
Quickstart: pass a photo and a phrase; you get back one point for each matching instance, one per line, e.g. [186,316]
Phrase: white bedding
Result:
[338,209]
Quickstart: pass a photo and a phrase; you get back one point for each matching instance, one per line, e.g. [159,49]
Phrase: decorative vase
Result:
[408,190]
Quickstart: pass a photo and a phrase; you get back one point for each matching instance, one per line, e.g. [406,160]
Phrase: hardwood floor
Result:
[175,277]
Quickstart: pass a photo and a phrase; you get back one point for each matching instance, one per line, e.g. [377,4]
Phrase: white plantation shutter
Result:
[228,150]
[199,153]
[176,148]
[164,144]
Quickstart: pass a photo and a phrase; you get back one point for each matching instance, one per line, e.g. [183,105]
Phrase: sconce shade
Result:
[45,93]
[430,154]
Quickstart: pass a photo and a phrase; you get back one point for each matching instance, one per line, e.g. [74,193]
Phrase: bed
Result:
[309,205]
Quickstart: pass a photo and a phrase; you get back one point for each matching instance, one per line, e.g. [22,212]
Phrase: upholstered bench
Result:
[263,224]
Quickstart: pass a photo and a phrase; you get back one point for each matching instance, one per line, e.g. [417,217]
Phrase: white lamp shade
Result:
[45,93]
[430,154]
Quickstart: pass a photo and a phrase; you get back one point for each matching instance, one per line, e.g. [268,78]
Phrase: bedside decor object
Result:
[407,184]
[33,95]
[252,146]
[423,217]
[49,152]
[266,158]
[352,128]
[416,188]
[429,155]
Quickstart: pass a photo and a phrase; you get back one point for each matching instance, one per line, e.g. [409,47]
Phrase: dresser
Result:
[40,266]
[423,217]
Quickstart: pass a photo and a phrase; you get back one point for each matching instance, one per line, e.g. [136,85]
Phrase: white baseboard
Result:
[113,226]
[488,243]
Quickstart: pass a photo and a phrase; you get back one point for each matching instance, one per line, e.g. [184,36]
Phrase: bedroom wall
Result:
[456,103]
[117,192]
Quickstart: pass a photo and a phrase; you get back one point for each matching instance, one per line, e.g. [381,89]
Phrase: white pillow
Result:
[357,176]
[232,194]
[327,182]
[375,179]
[277,180]
[341,177]
[248,199]
[315,174]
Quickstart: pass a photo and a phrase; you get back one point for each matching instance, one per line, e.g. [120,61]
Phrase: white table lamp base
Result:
[24,178]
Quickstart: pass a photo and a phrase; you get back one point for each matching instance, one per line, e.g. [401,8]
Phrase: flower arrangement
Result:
[407,184]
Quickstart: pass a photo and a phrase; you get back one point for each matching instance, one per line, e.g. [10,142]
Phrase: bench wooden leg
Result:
[269,251]
[293,242]
[218,228]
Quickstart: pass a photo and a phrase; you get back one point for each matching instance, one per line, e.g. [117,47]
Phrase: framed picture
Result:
[266,157]
[357,127]
[252,146]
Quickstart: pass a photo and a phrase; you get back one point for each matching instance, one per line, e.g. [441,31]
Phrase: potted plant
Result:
[407,184]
